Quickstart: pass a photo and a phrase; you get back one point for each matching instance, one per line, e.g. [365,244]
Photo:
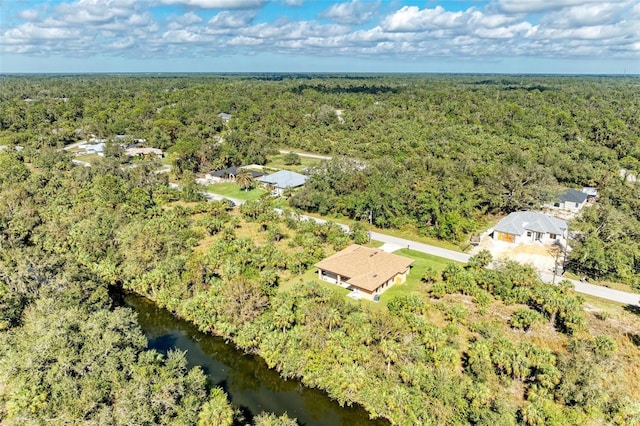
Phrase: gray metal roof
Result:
[573,196]
[285,179]
[223,173]
[519,222]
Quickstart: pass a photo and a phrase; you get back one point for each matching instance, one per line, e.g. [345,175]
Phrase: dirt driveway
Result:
[536,254]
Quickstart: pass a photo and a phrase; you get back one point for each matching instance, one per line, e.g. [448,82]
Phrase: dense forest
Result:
[437,154]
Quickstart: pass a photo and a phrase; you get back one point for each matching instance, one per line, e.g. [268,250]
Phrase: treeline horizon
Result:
[442,155]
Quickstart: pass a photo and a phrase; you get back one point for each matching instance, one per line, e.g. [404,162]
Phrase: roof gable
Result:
[285,179]
[519,222]
[365,267]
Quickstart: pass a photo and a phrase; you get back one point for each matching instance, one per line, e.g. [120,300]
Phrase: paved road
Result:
[421,247]
[317,157]
[596,290]
[402,242]
[580,287]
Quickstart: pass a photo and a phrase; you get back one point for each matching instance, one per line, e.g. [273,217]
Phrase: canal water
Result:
[250,384]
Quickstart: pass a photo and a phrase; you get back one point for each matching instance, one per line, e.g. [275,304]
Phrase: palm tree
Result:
[245,180]
[389,352]
[333,318]
[216,411]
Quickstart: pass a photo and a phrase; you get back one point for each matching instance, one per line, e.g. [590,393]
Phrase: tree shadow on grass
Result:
[634,338]
[634,309]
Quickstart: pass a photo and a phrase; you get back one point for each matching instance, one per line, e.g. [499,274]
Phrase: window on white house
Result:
[528,233]
[553,236]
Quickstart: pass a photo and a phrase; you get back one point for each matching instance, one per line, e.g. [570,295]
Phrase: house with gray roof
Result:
[229,174]
[527,227]
[571,200]
[279,181]
[224,117]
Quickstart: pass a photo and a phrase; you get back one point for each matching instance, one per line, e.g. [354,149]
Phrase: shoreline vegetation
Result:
[456,345]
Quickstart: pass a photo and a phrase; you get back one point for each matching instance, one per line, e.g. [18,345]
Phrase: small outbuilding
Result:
[364,270]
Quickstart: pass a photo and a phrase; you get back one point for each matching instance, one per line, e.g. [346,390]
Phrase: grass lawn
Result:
[412,234]
[89,158]
[312,275]
[409,234]
[374,244]
[277,162]
[233,190]
[414,283]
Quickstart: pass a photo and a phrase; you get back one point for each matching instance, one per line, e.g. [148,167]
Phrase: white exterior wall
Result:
[566,205]
[544,238]
[574,207]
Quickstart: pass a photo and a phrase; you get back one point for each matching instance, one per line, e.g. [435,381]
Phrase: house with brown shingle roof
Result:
[367,271]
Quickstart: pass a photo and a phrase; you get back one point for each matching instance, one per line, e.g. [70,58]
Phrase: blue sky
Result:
[491,36]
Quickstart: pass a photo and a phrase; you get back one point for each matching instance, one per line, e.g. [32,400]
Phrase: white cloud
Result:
[411,18]
[94,11]
[588,15]
[508,32]
[29,33]
[533,6]
[354,12]
[294,30]
[184,36]
[122,44]
[219,4]
[129,28]
[294,3]
[245,41]
[188,19]
[226,20]
[493,20]
[28,15]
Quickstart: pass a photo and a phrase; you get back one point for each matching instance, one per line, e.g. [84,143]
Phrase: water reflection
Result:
[251,385]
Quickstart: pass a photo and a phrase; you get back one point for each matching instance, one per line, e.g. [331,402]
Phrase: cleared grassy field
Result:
[407,233]
[414,280]
[277,162]
[233,190]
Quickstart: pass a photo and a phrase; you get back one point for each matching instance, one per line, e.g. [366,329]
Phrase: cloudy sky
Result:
[491,36]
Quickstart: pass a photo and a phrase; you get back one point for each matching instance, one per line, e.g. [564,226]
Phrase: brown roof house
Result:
[368,272]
